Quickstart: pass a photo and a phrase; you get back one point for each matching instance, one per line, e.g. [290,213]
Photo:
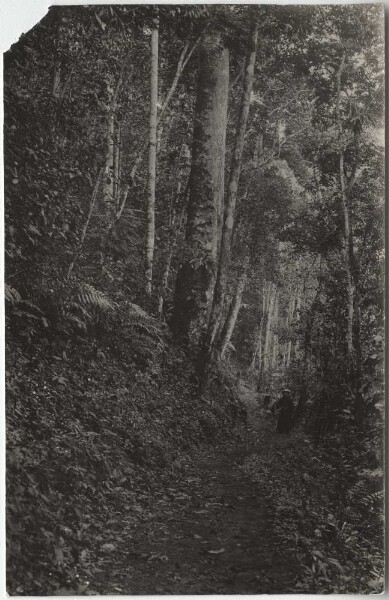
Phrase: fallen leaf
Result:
[59,555]
[108,547]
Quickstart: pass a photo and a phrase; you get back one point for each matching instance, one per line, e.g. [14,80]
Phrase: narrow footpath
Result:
[209,534]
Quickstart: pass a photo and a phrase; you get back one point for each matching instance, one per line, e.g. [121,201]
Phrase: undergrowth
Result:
[96,422]
[326,507]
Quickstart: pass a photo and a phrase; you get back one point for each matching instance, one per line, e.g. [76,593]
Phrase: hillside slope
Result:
[92,432]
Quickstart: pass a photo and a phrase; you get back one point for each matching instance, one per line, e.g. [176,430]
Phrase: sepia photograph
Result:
[194,261]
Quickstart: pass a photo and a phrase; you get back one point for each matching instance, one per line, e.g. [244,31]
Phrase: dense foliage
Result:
[163,237]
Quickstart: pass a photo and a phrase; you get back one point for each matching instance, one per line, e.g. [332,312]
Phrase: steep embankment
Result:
[94,432]
[324,508]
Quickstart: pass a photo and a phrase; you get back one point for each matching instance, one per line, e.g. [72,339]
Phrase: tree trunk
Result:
[109,175]
[265,315]
[182,62]
[306,350]
[298,318]
[117,161]
[274,360]
[289,320]
[269,323]
[357,373]
[354,358]
[150,202]
[347,241]
[347,244]
[263,318]
[108,186]
[257,354]
[57,79]
[275,353]
[232,190]
[258,149]
[233,312]
[86,224]
[166,272]
[165,280]
[57,72]
[197,274]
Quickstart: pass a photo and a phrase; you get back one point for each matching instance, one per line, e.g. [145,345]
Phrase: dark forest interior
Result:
[194,275]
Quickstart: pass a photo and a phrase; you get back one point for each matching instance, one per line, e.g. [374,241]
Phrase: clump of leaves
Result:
[329,512]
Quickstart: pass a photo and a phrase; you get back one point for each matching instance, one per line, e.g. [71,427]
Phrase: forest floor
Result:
[194,505]
[211,532]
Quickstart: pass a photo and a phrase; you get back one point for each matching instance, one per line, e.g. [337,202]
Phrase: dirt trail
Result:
[209,534]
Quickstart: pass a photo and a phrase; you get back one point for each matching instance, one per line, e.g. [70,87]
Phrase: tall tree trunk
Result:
[197,274]
[234,309]
[165,280]
[298,318]
[265,315]
[348,255]
[346,217]
[150,202]
[268,334]
[257,353]
[275,353]
[307,350]
[347,243]
[177,224]
[117,165]
[289,320]
[232,190]
[109,177]
[274,359]
[57,72]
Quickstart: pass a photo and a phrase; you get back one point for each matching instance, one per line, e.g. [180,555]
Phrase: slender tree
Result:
[150,202]
[182,62]
[117,165]
[86,224]
[109,182]
[234,309]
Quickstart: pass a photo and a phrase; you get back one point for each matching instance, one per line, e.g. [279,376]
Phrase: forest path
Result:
[209,533]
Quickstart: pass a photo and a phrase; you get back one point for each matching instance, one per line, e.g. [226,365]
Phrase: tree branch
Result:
[86,225]
[182,62]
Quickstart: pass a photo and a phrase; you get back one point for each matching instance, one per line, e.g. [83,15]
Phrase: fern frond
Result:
[75,306]
[30,304]
[11,294]
[137,310]
[88,295]
[80,324]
